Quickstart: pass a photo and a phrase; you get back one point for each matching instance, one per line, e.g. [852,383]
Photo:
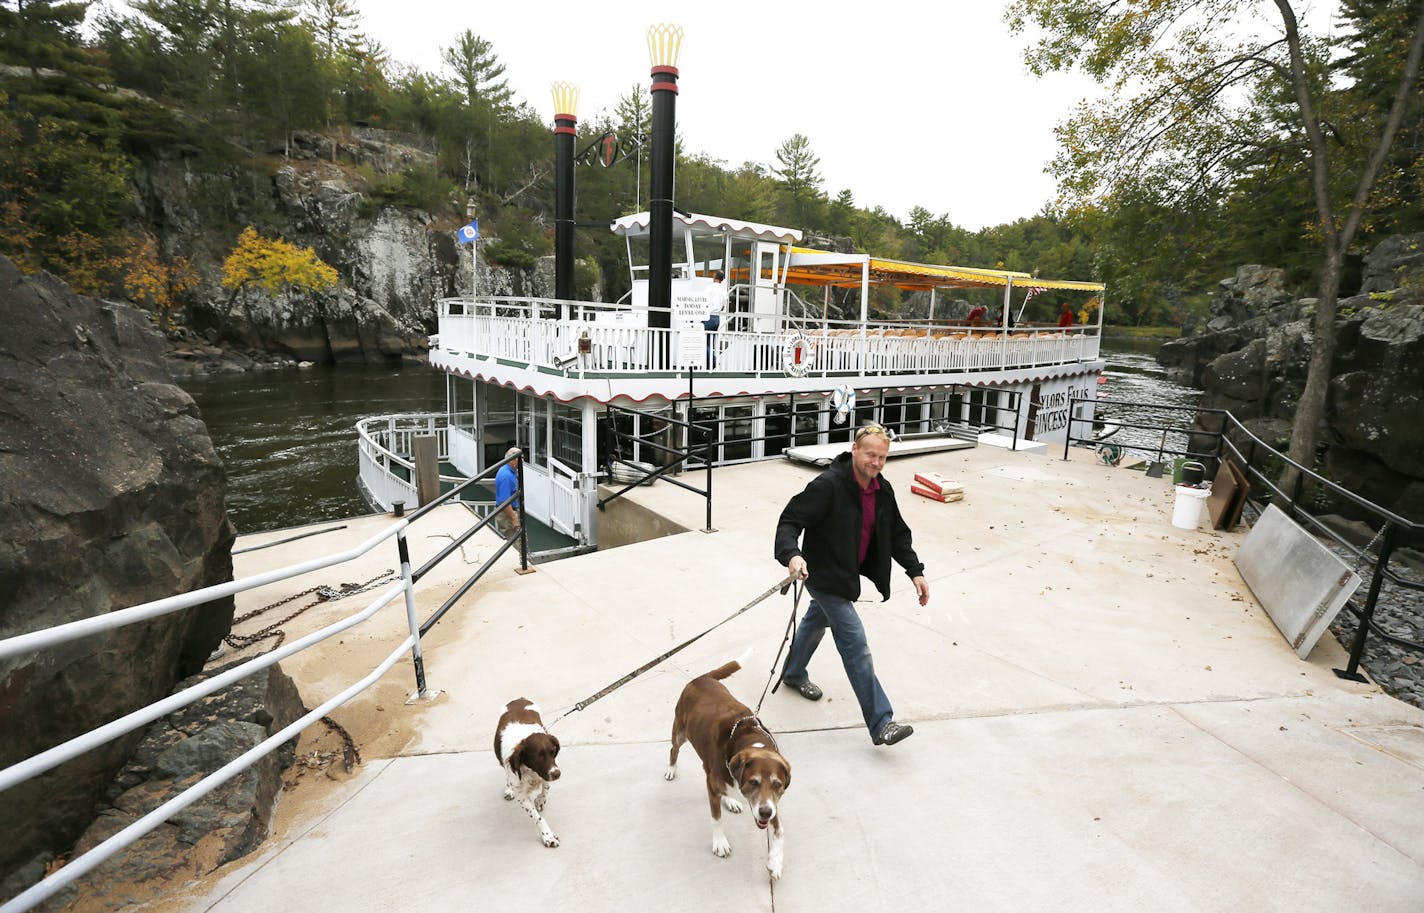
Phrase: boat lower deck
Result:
[1105,720]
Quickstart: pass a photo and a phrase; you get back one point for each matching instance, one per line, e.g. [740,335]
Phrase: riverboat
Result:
[586,387]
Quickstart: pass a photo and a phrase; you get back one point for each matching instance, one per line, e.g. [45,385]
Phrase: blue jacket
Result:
[828,513]
[506,482]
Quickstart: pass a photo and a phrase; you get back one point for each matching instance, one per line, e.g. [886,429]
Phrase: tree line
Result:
[1200,159]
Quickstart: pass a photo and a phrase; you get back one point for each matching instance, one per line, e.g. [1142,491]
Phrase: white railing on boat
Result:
[387,474]
[518,330]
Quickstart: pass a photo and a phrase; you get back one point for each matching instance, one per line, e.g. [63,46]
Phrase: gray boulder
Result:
[1393,261]
[110,495]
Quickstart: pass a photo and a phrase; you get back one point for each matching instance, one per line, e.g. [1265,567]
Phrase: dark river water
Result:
[288,438]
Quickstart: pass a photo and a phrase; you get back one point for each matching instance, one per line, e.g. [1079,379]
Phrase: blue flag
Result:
[468,234]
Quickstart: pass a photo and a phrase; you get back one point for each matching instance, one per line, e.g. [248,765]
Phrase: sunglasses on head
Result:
[863,430]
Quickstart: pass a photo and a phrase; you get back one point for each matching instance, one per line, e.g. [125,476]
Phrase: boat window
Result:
[737,432]
[705,416]
[778,428]
[533,435]
[567,441]
[808,422]
[653,428]
[462,403]
[498,422]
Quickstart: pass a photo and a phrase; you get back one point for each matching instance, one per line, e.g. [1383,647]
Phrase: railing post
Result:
[523,526]
[409,586]
[1018,414]
[1357,649]
[1367,616]
[1068,429]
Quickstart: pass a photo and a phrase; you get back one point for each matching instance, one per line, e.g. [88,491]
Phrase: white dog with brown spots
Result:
[528,755]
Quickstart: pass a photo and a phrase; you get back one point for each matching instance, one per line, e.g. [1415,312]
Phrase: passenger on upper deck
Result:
[1065,319]
[716,309]
[976,316]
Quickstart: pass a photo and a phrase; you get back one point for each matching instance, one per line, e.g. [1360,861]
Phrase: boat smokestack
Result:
[664,43]
[566,96]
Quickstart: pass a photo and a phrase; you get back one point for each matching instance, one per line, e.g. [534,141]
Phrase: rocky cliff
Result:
[395,262]
[110,495]
[1253,354]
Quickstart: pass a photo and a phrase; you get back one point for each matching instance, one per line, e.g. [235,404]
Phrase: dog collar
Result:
[760,725]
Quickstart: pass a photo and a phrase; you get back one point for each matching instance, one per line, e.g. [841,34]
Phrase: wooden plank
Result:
[1223,492]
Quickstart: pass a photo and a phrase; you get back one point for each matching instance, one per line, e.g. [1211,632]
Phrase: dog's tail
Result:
[727,669]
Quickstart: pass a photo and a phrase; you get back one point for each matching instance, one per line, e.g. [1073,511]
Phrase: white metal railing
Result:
[554,494]
[386,475]
[508,329]
[564,497]
[64,633]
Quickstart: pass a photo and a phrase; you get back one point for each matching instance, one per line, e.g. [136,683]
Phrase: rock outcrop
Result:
[110,495]
[1254,355]
[224,825]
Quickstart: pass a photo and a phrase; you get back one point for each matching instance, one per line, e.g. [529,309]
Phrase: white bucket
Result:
[1187,511]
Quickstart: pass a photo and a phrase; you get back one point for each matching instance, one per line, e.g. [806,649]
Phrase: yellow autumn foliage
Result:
[151,280]
[274,266]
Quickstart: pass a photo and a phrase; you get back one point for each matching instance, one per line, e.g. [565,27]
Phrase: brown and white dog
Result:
[736,750]
[527,753]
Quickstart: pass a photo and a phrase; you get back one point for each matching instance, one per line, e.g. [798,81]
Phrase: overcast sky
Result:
[906,103]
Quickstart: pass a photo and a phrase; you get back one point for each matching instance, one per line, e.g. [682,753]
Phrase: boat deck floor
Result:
[1105,720]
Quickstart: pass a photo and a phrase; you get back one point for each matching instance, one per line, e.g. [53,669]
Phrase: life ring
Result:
[797,354]
[842,403]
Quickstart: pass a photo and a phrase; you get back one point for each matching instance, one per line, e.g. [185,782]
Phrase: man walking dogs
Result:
[852,527]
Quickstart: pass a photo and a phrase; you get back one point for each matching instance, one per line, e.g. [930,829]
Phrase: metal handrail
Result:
[42,639]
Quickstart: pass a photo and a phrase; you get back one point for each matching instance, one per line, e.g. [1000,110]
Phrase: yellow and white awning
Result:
[821,268]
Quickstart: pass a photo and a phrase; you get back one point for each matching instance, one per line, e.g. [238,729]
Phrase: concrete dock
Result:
[1105,720]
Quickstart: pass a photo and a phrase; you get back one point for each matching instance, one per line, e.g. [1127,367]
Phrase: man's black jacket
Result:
[828,510]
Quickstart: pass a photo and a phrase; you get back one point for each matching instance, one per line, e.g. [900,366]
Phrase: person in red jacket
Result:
[1065,319]
[848,526]
[976,316]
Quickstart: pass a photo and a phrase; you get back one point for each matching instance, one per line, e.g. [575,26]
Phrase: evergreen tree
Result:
[477,72]
[799,173]
[63,165]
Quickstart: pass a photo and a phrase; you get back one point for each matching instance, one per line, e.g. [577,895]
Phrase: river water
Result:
[288,438]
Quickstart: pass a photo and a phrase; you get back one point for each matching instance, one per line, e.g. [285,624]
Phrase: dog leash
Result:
[789,637]
[780,586]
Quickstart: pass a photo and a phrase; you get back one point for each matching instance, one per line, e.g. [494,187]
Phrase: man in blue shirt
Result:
[506,483]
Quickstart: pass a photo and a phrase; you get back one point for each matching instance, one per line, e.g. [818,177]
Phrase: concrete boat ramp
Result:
[1104,719]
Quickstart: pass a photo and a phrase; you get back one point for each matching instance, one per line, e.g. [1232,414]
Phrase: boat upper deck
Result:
[770,338]
[515,340]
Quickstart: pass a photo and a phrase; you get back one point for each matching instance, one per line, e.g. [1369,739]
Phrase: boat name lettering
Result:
[1053,410]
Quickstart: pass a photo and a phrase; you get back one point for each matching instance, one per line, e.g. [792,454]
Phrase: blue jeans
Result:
[710,325]
[848,632]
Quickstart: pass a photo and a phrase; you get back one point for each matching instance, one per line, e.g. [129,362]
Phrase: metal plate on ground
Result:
[1298,581]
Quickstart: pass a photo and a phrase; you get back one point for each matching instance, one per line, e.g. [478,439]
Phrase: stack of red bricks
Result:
[936,487]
